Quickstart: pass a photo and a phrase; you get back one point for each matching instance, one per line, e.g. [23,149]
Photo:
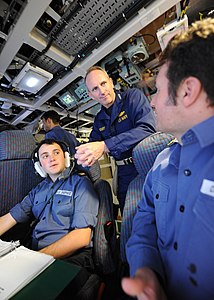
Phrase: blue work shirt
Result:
[60,134]
[61,206]
[173,230]
[130,121]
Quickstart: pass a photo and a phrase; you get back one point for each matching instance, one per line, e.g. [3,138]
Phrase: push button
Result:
[175,245]
[182,208]
[157,196]
[193,281]
[187,172]
[192,268]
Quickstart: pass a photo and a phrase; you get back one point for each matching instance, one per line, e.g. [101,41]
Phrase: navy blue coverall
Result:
[122,126]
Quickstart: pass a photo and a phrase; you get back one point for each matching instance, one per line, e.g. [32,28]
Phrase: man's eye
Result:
[44,156]
[94,89]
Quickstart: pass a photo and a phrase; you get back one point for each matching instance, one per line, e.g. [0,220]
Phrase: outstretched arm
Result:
[144,286]
[6,222]
[68,244]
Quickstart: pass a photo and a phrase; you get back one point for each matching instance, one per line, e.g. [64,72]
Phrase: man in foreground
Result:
[170,252]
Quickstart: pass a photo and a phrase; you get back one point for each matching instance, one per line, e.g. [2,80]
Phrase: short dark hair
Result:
[53,115]
[190,53]
[62,145]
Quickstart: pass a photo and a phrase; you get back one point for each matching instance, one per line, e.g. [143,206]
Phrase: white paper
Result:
[6,247]
[18,268]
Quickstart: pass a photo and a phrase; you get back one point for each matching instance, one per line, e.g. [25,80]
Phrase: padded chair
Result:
[93,172]
[144,155]
[104,241]
[105,231]
[17,174]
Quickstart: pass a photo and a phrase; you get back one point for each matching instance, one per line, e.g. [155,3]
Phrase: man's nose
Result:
[102,90]
[52,157]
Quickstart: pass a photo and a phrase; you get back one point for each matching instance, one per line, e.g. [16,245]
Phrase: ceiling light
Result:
[31,79]
[32,82]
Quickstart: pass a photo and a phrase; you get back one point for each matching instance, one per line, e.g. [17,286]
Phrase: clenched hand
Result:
[88,154]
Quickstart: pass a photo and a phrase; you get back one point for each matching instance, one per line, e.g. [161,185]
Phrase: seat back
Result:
[105,232]
[17,174]
[93,172]
[144,155]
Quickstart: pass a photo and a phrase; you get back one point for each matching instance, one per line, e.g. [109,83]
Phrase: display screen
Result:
[68,100]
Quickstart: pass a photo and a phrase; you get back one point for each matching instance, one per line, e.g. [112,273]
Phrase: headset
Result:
[35,156]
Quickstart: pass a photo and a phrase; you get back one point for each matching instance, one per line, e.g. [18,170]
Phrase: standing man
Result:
[123,121]
[170,251]
[51,120]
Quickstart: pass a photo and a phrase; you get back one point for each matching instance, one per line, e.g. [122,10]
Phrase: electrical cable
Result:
[209,12]
[146,34]
[184,7]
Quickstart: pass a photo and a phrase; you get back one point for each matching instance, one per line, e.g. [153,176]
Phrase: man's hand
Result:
[88,154]
[144,286]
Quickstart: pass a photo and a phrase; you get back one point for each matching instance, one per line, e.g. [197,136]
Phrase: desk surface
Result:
[49,284]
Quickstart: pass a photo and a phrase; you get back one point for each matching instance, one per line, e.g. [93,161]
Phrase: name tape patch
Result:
[207,187]
[64,193]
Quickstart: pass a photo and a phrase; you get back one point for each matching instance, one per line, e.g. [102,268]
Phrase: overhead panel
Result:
[89,22]
[45,62]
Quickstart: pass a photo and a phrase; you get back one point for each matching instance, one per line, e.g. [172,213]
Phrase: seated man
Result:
[170,251]
[51,123]
[64,205]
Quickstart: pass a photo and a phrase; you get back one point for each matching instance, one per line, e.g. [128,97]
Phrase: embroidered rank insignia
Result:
[121,113]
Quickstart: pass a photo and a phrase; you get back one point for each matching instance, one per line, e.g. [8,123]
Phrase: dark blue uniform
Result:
[128,121]
[73,204]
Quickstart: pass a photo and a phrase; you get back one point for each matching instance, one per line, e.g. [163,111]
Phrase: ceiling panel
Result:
[65,38]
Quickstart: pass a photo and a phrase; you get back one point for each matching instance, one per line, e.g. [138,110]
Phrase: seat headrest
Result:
[145,153]
[16,144]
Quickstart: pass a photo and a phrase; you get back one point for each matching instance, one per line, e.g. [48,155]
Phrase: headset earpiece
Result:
[39,169]
[67,159]
[37,165]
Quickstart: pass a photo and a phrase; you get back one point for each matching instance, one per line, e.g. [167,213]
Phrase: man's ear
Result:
[191,89]
[49,120]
